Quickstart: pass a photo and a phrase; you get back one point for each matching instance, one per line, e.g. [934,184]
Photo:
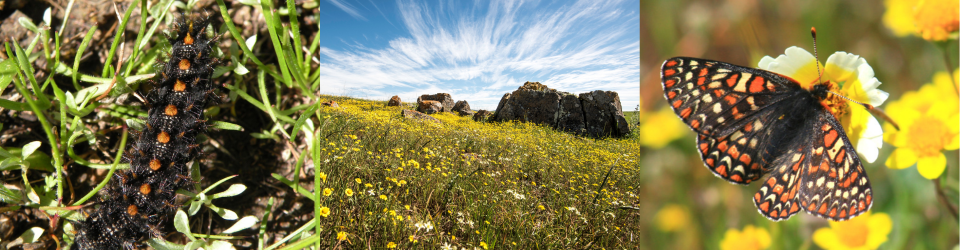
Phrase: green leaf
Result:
[30,236]
[29,148]
[9,163]
[26,23]
[161,244]
[224,213]
[9,196]
[227,126]
[8,69]
[4,153]
[182,223]
[233,190]
[193,245]
[221,245]
[244,223]
[194,207]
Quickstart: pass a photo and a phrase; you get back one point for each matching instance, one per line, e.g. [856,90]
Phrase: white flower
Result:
[426,226]
[857,82]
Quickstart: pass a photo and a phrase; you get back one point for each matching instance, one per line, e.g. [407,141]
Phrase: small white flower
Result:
[858,83]
[447,246]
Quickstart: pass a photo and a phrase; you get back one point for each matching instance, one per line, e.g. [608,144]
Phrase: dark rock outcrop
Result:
[462,108]
[394,101]
[603,114]
[596,114]
[481,115]
[429,107]
[445,100]
[570,117]
[413,114]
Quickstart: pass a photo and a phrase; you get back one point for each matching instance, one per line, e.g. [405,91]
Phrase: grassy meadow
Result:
[467,184]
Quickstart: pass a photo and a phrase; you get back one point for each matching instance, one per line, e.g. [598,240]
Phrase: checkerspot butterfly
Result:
[141,198]
[752,122]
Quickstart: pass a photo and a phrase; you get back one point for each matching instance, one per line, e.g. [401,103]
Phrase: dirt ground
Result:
[226,152]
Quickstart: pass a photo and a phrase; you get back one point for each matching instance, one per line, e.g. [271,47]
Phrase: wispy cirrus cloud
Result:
[348,9]
[481,50]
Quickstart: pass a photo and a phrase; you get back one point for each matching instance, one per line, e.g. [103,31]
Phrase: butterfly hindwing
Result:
[835,187]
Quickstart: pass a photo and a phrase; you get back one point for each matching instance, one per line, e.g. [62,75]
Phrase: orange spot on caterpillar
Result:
[188,40]
[155,164]
[132,210]
[171,110]
[145,189]
[163,137]
[179,86]
[184,64]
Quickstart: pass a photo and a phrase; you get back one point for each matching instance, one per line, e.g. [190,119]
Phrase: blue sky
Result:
[478,50]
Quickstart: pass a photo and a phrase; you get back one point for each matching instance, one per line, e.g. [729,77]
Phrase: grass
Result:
[512,185]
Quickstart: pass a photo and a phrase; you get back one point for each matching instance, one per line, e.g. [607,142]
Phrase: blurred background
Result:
[696,210]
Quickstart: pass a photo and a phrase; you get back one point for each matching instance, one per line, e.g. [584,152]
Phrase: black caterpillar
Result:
[142,197]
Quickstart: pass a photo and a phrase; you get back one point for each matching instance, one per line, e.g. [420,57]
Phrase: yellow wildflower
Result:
[348,192]
[928,120]
[672,218]
[660,128]
[359,181]
[412,239]
[323,177]
[327,191]
[483,245]
[899,17]
[383,197]
[324,211]
[401,183]
[341,236]
[391,245]
[751,238]
[934,20]
[863,232]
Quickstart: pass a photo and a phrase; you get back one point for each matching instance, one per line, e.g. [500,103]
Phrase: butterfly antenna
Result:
[873,110]
[813,32]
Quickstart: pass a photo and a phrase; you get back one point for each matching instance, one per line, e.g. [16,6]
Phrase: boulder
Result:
[530,105]
[394,101]
[413,114]
[330,103]
[570,116]
[462,108]
[603,115]
[429,107]
[595,114]
[445,100]
[481,115]
[536,86]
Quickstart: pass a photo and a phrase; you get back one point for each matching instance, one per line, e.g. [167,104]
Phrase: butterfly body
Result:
[751,123]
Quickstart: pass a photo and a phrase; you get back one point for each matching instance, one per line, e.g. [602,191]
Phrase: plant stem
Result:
[943,199]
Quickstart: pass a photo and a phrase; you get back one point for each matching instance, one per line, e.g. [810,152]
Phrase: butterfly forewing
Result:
[714,98]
